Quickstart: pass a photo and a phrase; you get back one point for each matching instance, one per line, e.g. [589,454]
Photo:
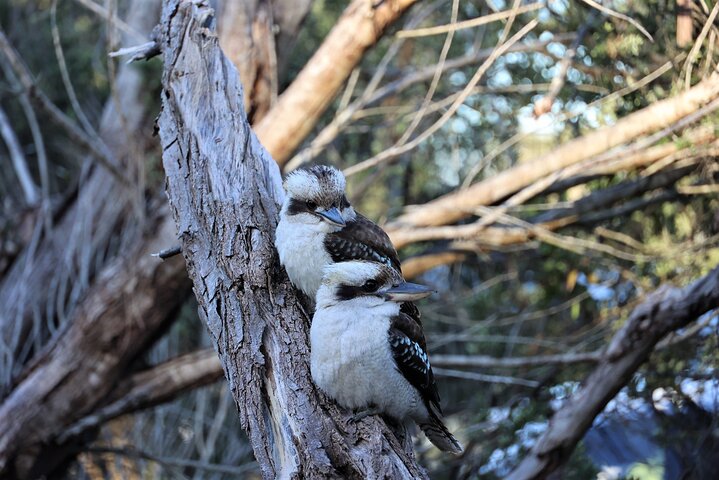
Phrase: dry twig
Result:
[474,22]
[30,190]
[95,145]
[397,150]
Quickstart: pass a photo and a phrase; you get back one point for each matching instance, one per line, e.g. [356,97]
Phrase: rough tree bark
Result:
[225,192]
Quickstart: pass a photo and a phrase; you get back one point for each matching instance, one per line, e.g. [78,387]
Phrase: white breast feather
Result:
[351,361]
[302,253]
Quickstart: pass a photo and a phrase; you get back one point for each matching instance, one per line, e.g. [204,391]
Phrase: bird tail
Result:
[437,433]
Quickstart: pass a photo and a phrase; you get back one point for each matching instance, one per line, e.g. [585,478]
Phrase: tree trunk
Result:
[225,192]
[258,36]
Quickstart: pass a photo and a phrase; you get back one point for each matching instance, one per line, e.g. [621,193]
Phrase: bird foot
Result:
[360,414]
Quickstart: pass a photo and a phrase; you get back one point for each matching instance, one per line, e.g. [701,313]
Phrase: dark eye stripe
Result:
[296,206]
[348,292]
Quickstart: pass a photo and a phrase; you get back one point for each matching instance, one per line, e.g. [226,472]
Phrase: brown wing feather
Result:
[362,239]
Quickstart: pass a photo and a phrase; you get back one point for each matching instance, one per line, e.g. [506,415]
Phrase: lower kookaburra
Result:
[318,226]
[367,354]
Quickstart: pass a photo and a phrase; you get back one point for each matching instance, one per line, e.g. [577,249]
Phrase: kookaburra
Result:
[318,226]
[367,354]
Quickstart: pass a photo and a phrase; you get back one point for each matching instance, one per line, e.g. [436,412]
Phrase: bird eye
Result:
[310,205]
[370,286]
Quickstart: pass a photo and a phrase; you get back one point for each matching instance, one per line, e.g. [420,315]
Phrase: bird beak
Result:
[407,292]
[332,216]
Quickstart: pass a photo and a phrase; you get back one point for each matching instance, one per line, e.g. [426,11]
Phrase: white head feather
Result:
[316,183]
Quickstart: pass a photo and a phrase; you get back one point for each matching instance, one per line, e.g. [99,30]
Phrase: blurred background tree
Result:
[519,303]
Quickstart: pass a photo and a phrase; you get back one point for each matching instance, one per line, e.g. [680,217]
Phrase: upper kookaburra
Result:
[321,236]
[318,226]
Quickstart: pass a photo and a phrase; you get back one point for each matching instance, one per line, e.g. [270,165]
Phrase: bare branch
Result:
[551,220]
[697,45]
[69,89]
[30,190]
[544,104]
[400,148]
[419,115]
[474,22]
[407,79]
[664,311]
[144,51]
[105,15]
[515,139]
[182,463]
[301,105]
[484,361]
[414,266]
[486,378]
[99,150]
[457,205]
[36,133]
[168,252]
[152,387]
[621,16]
